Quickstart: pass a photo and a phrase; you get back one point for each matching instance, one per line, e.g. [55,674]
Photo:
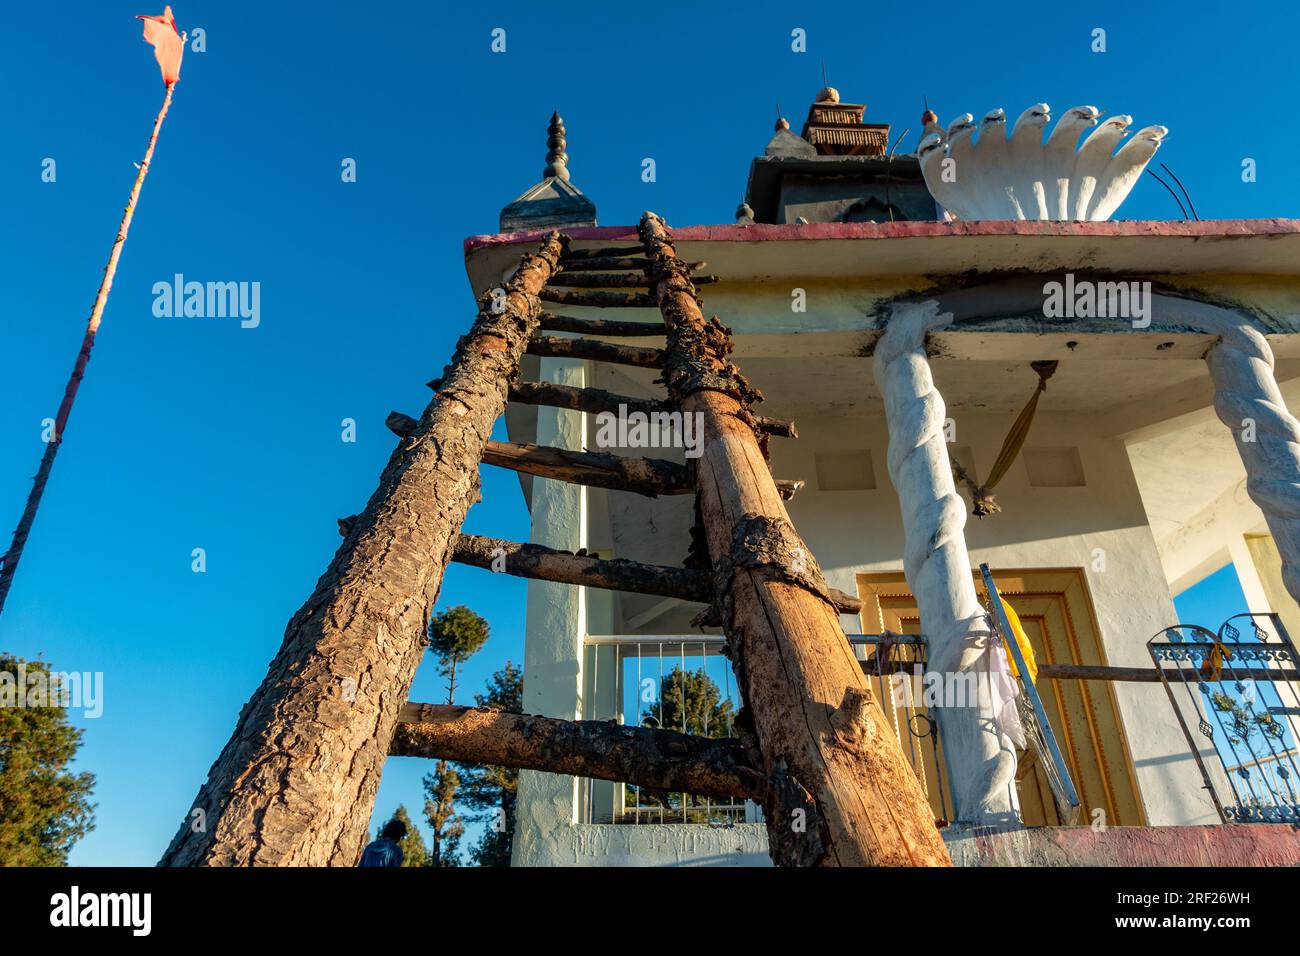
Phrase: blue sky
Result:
[197,433]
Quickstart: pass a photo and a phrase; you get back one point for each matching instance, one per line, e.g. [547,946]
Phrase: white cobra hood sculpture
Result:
[983,174]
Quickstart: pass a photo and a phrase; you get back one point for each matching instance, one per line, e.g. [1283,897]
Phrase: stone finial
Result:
[744,214]
[781,123]
[556,158]
[829,94]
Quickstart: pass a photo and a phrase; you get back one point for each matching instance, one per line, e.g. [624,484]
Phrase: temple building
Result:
[984,368]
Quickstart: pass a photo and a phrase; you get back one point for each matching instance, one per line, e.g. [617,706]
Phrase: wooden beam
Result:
[590,400]
[656,759]
[553,346]
[643,476]
[295,785]
[598,300]
[612,280]
[577,255]
[611,263]
[596,400]
[841,791]
[568,323]
[615,574]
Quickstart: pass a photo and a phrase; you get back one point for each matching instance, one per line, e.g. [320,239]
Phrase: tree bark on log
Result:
[296,783]
[567,323]
[599,300]
[643,476]
[841,792]
[657,759]
[615,574]
[612,280]
[551,346]
[596,400]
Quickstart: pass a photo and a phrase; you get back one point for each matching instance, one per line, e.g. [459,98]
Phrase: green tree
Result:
[440,810]
[44,808]
[689,702]
[414,852]
[489,790]
[455,635]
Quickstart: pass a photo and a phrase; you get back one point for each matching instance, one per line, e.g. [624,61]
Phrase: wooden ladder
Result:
[297,781]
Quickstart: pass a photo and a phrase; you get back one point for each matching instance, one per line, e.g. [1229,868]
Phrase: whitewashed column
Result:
[1248,401]
[555,625]
[981,760]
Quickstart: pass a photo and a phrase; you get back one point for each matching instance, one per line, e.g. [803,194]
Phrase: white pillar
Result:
[981,760]
[1248,401]
[555,627]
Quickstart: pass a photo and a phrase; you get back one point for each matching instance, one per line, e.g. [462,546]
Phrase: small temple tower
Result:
[839,170]
[554,201]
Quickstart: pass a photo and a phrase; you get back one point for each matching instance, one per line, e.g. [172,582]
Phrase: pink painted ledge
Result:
[1209,229]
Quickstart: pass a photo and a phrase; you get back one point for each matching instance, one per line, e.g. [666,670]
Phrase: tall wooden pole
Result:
[842,793]
[9,561]
[296,783]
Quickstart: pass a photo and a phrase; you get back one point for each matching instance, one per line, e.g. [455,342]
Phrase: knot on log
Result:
[852,720]
[771,545]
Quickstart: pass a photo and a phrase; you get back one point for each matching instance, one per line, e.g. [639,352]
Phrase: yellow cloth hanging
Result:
[1022,641]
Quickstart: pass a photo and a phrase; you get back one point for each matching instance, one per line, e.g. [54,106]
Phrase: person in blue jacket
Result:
[387,850]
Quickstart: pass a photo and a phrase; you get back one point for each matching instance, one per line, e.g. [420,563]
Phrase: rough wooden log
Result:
[568,323]
[611,263]
[296,783]
[553,346]
[617,252]
[596,400]
[616,574]
[612,280]
[599,300]
[841,792]
[656,759]
[643,476]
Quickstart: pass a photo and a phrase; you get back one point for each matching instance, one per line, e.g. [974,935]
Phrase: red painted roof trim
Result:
[1208,229]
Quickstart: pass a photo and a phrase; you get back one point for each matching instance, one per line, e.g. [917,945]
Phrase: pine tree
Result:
[440,810]
[689,702]
[44,808]
[490,790]
[454,636]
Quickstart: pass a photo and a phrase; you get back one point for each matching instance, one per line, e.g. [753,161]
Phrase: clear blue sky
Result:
[197,433]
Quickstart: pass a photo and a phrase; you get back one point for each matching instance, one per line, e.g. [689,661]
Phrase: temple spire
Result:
[553,202]
[557,160]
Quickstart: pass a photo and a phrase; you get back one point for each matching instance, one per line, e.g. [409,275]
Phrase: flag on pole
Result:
[168,44]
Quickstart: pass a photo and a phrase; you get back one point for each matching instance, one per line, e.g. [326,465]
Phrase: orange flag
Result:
[168,44]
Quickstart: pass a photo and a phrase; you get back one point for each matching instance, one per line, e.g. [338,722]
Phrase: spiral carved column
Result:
[980,759]
[1247,400]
